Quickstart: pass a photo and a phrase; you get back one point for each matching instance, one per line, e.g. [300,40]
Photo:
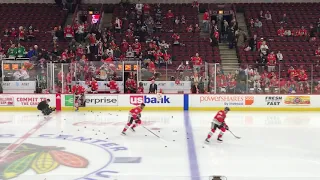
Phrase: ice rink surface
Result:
[88,146]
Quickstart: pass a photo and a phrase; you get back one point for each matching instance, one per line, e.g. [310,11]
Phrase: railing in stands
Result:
[75,15]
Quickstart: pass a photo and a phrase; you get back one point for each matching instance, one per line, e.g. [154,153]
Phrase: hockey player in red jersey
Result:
[134,117]
[113,87]
[94,86]
[219,122]
[78,92]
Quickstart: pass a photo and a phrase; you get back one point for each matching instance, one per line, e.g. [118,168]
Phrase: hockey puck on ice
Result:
[62,131]
[96,134]
[78,129]
[64,138]
[85,127]
[104,133]
[106,138]
[92,129]
[165,146]
[174,140]
[171,116]
[202,146]
[145,135]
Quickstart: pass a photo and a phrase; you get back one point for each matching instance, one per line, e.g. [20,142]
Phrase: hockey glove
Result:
[138,121]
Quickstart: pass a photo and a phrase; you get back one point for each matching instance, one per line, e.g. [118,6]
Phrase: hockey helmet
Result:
[227,109]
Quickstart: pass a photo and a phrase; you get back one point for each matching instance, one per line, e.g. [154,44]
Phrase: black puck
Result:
[165,146]
[174,140]
[145,135]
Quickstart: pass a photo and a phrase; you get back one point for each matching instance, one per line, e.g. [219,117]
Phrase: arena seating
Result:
[43,17]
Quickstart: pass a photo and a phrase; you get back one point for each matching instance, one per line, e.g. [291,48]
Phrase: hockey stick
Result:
[151,131]
[234,135]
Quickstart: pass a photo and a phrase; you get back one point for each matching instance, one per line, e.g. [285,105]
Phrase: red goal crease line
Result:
[12,147]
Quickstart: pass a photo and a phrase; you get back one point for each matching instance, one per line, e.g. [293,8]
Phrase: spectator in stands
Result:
[241,37]
[264,49]
[150,25]
[176,20]
[197,28]
[271,61]
[169,14]
[14,33]
[281,31]
[21,34]
[197,62]
[139,7]
[30,35]
[12,51]
[59,34]
[253,43]
[317,52]
[261,16]
[313,32]
[287,32]
[284,18]
[268,16]
[183,20]
[205,21]
[68,32]
[6,33]
[21,51]
[118,25]
[189,29]
[257,23]
[303,31]
[279,56]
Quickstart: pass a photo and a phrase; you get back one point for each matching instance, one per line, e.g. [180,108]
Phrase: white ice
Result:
[275,146]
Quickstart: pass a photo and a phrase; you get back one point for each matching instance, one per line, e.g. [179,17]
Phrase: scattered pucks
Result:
[96,134]
[99,131]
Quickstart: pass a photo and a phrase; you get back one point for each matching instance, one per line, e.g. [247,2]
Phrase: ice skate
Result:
[207,141]
[123,133]
[219,140]
[132,129]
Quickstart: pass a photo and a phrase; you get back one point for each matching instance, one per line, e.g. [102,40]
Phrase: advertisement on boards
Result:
[297,100]
[226,100]
[32,100]
[273,100]
[101,100]
[6,100]
[149,99]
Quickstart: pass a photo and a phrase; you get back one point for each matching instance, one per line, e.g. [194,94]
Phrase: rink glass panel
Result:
[210,77]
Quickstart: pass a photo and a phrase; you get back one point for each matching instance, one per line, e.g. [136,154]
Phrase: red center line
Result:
[12,147]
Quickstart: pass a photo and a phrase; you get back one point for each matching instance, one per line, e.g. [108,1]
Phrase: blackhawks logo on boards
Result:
[40,159]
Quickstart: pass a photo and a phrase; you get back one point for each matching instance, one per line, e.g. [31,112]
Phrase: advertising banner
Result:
[19,86]
[26,100]
[101,100]
[6,100]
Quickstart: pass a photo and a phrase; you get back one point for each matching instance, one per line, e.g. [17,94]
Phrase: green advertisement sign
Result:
[68,100]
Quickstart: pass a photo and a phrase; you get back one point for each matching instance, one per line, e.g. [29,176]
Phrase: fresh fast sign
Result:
[136,100]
